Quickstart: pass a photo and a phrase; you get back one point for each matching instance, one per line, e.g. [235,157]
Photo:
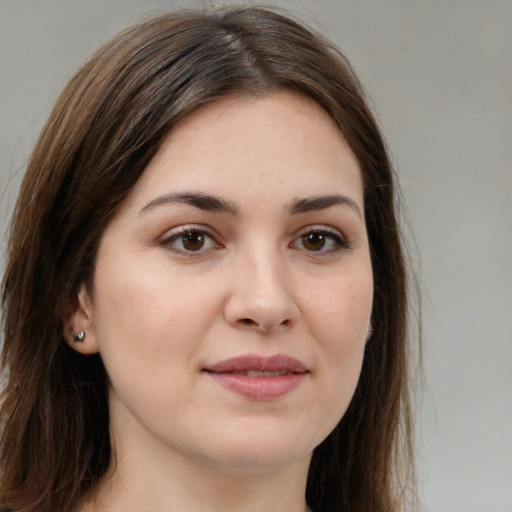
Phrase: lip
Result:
[233,374]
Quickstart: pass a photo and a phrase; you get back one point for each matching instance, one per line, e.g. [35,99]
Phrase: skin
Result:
[161,309]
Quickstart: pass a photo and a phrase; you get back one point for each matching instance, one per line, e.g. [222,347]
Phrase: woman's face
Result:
[233,290]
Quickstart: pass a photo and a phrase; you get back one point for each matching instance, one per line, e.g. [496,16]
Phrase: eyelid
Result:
[335,235]
[320,228]
[174,234]
[341,241]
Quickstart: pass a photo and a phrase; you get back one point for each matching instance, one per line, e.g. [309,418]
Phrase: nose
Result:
[261,296]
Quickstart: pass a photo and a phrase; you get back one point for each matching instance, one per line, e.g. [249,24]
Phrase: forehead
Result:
[248,148]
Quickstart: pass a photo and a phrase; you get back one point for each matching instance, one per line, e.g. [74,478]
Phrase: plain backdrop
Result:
[440,75]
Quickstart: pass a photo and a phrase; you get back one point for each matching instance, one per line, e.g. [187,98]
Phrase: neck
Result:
[147,475]
[185,485]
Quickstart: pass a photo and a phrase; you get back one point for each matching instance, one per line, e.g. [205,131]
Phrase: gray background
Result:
[440,74]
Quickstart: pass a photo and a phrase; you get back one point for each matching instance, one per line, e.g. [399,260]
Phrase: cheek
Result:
[340,311]
[151,316]
[339,318]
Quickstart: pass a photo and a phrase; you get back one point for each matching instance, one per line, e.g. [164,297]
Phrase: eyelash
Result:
[179,233]
[338,243]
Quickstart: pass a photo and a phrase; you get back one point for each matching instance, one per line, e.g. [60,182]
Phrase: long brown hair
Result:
[105,127]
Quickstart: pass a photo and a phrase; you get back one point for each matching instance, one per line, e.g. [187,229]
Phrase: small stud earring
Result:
[79,336]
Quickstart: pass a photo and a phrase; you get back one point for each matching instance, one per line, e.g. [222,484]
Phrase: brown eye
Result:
[320,241]
[189,240]
[193,240]
[313,241]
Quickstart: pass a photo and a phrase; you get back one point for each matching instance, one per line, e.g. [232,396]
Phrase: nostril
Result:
[251,322]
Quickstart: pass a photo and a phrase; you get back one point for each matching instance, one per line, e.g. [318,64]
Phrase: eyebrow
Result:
[202,201]
[315,203]
[212,203]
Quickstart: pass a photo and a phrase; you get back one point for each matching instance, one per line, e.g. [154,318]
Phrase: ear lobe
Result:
[78,326]
[370,331]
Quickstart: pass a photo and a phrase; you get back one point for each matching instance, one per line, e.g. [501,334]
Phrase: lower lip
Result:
[259,388]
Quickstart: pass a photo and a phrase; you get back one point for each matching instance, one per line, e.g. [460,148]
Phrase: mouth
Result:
[258,366]
[259,378]
[255,374]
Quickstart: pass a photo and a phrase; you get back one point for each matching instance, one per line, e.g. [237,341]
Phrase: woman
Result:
[205,296]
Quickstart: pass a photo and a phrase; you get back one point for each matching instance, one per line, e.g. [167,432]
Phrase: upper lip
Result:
[279,362]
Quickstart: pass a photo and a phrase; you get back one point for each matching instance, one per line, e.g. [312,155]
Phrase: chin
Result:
[262,461]
[263,448]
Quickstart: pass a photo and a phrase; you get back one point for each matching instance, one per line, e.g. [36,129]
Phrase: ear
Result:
[78,318]
[370,331]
